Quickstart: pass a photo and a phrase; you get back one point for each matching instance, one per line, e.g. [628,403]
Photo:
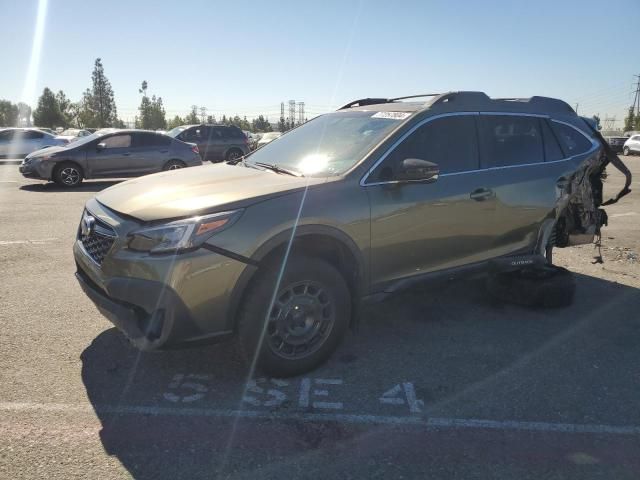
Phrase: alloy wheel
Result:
[70,175]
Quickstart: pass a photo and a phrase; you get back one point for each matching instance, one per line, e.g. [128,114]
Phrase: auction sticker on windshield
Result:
[391,115]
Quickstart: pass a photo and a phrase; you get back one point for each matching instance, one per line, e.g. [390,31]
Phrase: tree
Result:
[24,114]
[68,113]
[99,100]
[632,121]
[175,122]
[282,126]
[192,117]
[596,120]
[47,113]
[211,119]
[8,114]
[261,124]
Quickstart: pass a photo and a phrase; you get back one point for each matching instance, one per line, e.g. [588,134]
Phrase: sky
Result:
[246,57]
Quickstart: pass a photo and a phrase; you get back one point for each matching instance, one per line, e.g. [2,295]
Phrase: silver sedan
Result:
[18,142]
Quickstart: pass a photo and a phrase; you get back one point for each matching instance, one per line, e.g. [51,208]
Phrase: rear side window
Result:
[510,140]
[451,142]
[151,140]
[7,135]
[32,135]
[571,141]
[552,150]
[233,133]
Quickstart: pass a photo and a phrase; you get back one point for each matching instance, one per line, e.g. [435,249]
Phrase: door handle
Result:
[164,151]
[481,194]
[126,154]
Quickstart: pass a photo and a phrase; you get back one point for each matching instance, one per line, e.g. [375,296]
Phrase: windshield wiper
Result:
[278,169]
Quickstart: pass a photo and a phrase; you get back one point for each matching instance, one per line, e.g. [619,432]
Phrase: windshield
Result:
[328,145]
[86,139]
[70,131]
[174,132]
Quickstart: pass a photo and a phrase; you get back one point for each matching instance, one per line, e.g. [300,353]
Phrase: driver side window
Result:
[450,142]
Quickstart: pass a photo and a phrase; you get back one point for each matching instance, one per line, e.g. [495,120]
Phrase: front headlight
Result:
[181,235]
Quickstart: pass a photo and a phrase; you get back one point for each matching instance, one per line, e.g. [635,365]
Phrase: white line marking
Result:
[628,214]
[27,242]
[433,423]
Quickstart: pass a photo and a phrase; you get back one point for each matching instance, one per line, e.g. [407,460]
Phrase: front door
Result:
[113,158]
[422,227]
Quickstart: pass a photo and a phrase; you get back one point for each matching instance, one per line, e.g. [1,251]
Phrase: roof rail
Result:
[365,101]
[415,96]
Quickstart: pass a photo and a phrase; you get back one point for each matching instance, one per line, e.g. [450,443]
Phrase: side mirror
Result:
[417,170]
[101,146]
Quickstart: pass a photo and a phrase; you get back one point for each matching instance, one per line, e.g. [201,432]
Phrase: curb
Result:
[10,162]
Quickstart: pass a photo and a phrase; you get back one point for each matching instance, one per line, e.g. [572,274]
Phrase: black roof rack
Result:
[365,101]
[415,96]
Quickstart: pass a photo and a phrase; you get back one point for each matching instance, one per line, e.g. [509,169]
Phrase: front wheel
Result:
[68,174]
[626,151]
[299,327]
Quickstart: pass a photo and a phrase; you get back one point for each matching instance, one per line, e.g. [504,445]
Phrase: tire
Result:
[174,165]
[233,155]
[309,318]
[68,174]
[626,151]
[543,286]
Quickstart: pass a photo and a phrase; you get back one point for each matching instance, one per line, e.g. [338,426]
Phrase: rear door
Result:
[150,152]
[114,159]
[513,148]
[422,227]
[200,136]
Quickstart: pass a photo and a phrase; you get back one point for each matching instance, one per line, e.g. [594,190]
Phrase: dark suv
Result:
[215,142]
[349,207]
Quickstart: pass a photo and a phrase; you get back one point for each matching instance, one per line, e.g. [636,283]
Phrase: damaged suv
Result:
[281,247]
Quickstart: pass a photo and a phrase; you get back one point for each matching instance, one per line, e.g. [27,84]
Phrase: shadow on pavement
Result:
[87,186]
[470,356]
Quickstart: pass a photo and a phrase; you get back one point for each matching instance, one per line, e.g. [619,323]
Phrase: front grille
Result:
[99,241]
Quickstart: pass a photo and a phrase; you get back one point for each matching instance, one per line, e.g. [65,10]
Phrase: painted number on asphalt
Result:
[187,388]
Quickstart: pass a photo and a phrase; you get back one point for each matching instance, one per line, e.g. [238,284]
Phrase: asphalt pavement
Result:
[437,382]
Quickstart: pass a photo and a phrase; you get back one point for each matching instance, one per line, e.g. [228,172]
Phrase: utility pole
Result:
[203,114]
[577,105]
[636,99]
[300,113]
[292,113]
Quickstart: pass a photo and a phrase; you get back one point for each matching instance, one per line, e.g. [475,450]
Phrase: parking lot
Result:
[438,382]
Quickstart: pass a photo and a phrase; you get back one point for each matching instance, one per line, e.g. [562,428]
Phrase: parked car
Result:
[215,142]
[120,153]
[72,134]
[616,143]
[44,129]
[268,138]
[18,142]
[632,145]
[280,249]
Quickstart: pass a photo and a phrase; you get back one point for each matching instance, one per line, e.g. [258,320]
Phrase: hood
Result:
[46,151]
[197,190]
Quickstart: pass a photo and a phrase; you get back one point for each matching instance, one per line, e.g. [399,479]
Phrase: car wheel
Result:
[174,165]
[308,320]
[68,174]
[542,286]
[233,155]
[625,151]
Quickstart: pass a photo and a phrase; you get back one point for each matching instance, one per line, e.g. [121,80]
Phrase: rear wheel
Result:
[309,317]
[174,165]
[626,151]
[233,155]
[68,174]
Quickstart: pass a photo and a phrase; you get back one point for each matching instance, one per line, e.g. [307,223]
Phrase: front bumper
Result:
[28,171]
[159,301]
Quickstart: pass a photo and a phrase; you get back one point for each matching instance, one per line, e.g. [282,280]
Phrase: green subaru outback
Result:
[281,247]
